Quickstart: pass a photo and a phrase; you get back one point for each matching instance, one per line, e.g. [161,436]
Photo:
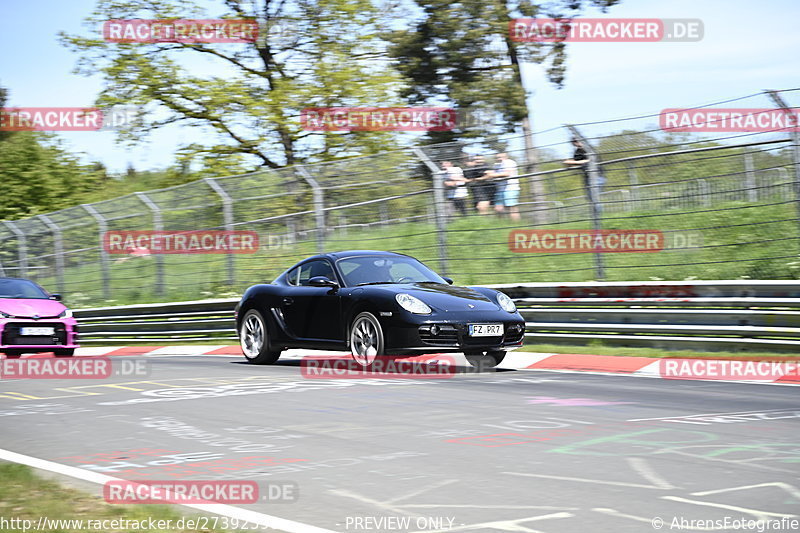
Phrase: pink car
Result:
[32,320]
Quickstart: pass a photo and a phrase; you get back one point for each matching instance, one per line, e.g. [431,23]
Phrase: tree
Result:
[310,53]
[462,53]
[38,175]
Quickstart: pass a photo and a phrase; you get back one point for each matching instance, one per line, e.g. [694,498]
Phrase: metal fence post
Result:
[594,196]
[750,177]
[633,181]
[102,228]
[227,216]
[58,249]
[439,208]
[795,135]
[158,225]
[319,206]
[22,249]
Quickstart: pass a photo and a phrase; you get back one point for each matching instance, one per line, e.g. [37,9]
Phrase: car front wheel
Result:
[483,360]
[366,339]
[254,339]
[64,352]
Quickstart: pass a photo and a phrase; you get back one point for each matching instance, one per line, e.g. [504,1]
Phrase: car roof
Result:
[15,279]
[335,256]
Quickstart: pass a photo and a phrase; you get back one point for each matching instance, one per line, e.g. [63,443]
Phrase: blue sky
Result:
[747,47]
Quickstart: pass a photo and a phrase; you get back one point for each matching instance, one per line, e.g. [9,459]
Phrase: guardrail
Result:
[735,315]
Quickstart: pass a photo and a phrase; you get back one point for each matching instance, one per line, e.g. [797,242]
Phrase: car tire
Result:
[64,352]
[485,360]
[13,353]
[254,339]
[366,339]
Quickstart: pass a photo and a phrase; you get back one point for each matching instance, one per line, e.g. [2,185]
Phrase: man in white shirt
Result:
[505,171]
[456,186]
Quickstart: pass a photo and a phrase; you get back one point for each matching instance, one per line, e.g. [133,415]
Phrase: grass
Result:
[742,242]
[26,496]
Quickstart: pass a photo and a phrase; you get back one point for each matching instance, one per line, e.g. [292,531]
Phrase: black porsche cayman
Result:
[375,303]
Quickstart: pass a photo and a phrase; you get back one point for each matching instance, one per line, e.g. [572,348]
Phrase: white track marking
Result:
[519,360]
[614,512]
[502,525]
[584,480]
[706,414]
[420,491]
[94,350]
[245,515]
[643,468]
[791,489]
[760,515]
[184,350]
[363,499]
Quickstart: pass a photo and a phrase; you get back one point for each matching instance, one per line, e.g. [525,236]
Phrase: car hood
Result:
[28,307]
[446,297]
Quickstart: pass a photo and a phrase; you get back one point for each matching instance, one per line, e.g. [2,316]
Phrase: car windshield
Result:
[21,288]
[375,269]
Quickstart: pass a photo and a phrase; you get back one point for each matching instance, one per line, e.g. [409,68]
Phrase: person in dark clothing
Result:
[483,190]
[580,159]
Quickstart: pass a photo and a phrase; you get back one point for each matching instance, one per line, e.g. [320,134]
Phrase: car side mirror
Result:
[323,281]
[448,280]
[56,297]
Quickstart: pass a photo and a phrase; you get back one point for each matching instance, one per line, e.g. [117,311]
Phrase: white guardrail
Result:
[737,315]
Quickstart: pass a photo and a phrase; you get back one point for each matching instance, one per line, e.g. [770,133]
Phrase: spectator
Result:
[581,160]
[456,186]
[483,189]
[507,196]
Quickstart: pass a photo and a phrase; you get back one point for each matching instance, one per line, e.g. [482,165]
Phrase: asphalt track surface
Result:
[529,451]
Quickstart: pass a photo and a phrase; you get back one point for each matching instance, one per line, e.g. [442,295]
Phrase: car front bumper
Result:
[450,332]
[64,337]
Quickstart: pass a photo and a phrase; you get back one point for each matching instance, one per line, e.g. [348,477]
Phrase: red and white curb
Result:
[742,371]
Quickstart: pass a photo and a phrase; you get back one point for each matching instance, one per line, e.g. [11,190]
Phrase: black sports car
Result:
[375,303]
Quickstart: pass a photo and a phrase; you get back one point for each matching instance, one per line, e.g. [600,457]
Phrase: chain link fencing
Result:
[725,206]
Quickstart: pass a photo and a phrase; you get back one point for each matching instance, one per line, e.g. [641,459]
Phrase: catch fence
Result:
[726,206]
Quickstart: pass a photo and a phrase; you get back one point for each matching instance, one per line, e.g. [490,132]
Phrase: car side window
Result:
[291,276]
[312,269]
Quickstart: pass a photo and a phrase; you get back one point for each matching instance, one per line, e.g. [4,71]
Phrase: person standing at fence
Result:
[505,174]
[483,189]
[581,160]
[456,186]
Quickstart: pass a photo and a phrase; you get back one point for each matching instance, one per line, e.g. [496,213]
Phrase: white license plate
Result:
[485,330]
[36,332]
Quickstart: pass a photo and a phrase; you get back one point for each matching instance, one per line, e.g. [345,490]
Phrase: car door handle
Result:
[288,301]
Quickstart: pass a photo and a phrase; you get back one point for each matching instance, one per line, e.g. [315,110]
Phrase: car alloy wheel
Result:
[366,339]
[254,341]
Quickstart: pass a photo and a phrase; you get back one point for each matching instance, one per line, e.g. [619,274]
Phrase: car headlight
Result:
[66,313]
[412,304]
[506,303]
[4,315]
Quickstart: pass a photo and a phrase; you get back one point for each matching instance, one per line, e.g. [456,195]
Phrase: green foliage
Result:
[38,175]
[326,53]
[461,53]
